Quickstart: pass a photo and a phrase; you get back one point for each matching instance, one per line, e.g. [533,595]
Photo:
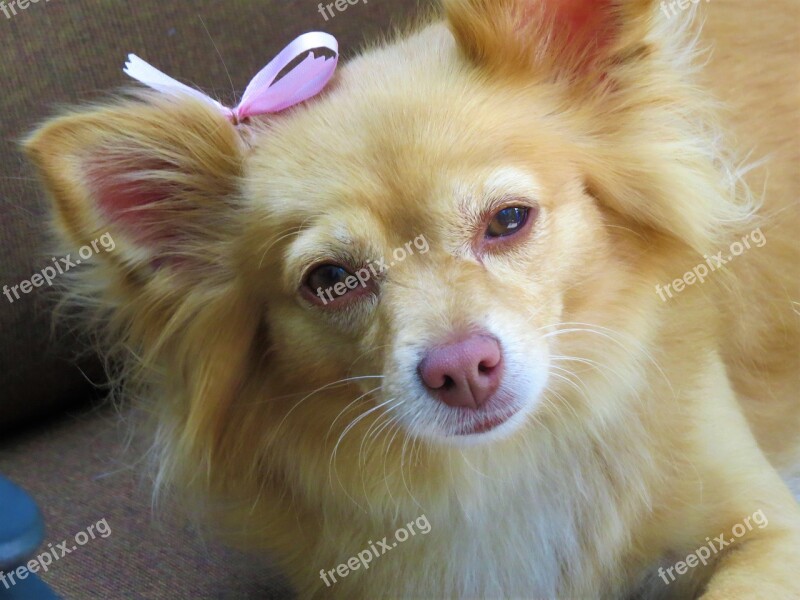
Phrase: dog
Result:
[551,386]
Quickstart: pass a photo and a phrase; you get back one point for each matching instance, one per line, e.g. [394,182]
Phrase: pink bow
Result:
[262,95]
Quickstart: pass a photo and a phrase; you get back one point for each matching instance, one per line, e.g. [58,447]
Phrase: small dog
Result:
[508,274]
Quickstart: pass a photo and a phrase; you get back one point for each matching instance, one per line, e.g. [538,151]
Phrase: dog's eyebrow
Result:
[502,183]
[344,237]
[507,181]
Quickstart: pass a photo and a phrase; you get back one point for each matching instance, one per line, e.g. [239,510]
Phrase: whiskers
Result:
[332,467]
[388,426]
[328,386]
[385,452]
[627,373]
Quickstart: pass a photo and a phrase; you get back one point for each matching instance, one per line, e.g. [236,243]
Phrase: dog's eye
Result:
[326,277]
[507,221]
[331,283]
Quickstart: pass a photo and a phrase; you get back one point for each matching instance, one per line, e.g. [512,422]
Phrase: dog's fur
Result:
[644,426]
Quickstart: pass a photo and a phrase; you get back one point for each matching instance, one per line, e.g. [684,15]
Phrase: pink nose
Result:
[464,374]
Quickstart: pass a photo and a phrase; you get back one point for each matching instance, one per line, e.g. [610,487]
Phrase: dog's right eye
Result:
[327,276]
[330,283]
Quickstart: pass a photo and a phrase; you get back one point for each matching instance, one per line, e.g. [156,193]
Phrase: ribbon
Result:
[262,95]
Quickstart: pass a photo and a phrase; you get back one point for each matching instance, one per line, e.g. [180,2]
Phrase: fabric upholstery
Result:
[81,470]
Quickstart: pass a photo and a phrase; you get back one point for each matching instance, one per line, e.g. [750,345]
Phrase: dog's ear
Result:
[630,72]
[572,39]
[159,175]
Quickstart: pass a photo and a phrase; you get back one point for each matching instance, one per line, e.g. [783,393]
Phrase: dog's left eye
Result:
[507,221]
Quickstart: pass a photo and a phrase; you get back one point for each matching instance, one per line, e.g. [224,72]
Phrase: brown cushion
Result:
[59,53]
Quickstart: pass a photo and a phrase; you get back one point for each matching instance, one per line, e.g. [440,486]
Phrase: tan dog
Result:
[557,372]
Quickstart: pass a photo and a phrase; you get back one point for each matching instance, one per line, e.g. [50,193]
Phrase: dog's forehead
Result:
[400,128]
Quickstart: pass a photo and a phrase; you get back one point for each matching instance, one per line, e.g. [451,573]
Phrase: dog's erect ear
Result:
[555,38]
[631,72]
[158,174]
[161,175]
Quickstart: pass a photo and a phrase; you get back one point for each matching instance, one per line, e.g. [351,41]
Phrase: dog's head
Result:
[440,248]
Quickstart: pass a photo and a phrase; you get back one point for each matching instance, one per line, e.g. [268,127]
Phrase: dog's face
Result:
[460,217]
[444,246]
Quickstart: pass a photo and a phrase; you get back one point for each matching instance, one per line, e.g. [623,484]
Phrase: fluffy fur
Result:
[643,427]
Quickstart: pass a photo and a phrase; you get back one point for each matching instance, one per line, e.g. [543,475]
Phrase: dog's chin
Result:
[484,429]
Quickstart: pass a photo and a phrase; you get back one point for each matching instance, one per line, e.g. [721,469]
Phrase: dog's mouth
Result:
[486,424]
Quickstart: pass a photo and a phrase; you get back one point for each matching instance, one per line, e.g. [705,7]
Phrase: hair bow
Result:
[263,95]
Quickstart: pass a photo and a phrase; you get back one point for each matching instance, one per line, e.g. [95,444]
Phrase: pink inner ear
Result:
[120,198]
[118,194]
[585,27]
